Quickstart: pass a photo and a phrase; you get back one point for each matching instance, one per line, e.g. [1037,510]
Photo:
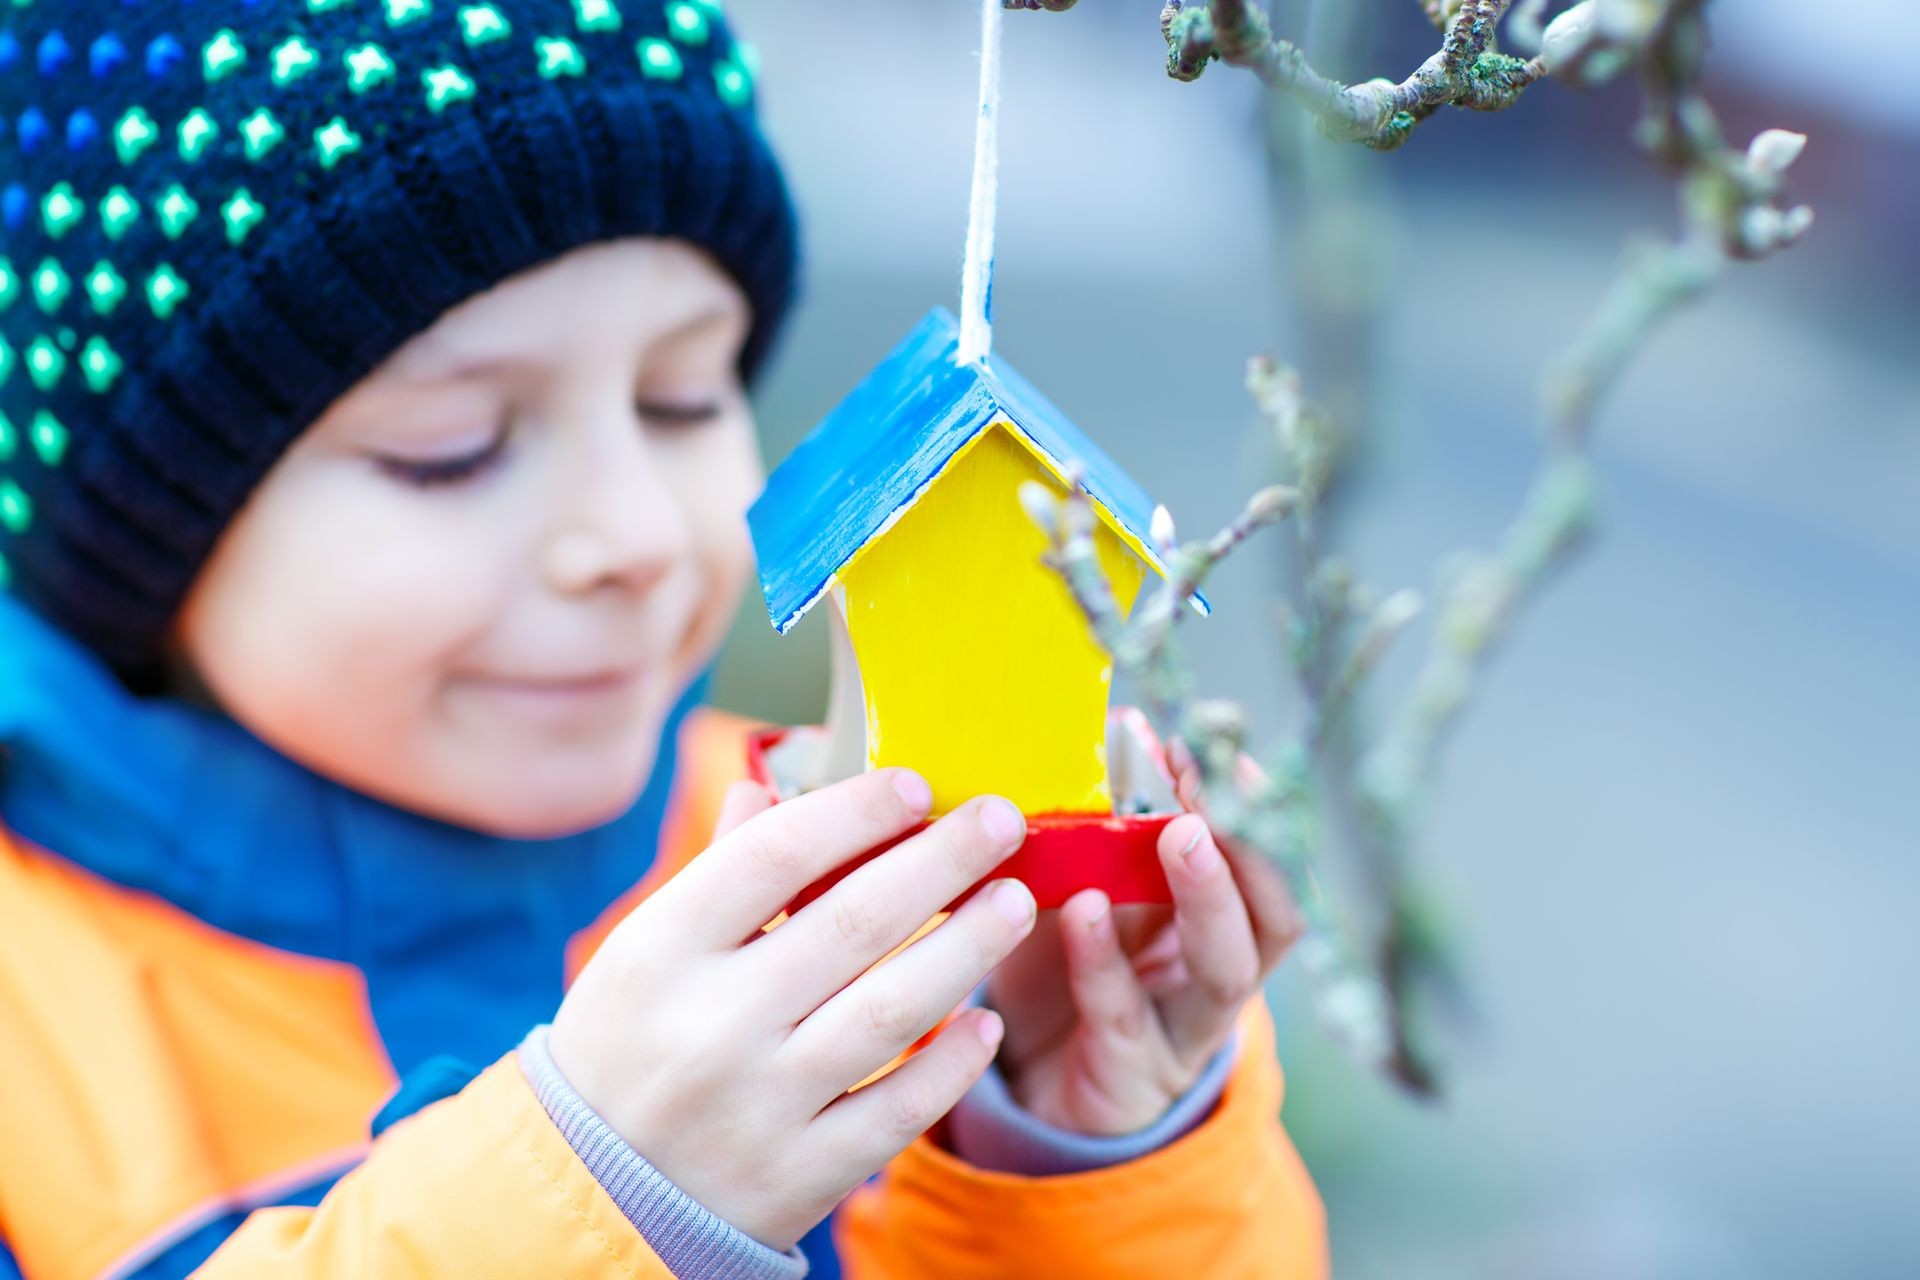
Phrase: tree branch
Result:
[1465,72]
[1336,630]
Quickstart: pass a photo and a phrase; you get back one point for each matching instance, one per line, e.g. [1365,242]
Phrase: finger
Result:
[878,905]
[1164,949]
[1122,1023]
[1216,939]
[1139,923]
[747,876]
[1186,774]
[1165,980]
[1277,919]
[1029,988]
[1160,965]
[1278,922]
[743,800]
[885,1011]
[866,1129]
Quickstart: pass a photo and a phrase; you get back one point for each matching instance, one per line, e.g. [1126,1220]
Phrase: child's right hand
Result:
[720,1053]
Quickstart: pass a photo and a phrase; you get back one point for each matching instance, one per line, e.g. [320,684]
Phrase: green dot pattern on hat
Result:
[151,146]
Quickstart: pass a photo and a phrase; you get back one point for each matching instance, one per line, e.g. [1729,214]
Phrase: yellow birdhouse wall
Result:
[979,669]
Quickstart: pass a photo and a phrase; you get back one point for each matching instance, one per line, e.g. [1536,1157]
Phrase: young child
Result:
[372,476]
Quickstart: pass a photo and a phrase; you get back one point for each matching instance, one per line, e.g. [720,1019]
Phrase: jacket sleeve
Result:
[988,1128]
[479,1184]
[1228,1200]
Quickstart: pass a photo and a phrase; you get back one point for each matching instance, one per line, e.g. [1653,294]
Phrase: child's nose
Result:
[620,523]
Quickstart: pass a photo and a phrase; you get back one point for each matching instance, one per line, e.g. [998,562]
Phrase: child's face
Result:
[476,585]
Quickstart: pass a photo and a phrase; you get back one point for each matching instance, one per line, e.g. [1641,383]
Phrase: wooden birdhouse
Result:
[958,652]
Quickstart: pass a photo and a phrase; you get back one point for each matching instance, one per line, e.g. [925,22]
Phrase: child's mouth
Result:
[561,696]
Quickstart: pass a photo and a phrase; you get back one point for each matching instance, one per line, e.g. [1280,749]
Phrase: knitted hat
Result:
[218,215]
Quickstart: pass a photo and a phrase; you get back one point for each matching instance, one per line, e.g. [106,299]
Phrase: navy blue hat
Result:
[217,215]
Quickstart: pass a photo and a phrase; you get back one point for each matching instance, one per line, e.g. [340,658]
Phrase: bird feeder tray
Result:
[1063,852]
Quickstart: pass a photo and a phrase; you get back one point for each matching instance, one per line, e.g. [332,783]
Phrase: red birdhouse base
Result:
[1063,852]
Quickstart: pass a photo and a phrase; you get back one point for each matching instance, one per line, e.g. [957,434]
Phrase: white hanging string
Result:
[976,277]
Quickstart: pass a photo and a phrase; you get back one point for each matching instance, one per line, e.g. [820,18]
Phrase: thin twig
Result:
[1465,72]
[1336,629]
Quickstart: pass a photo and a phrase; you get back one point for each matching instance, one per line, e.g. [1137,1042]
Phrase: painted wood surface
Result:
[872,457]
[1062,854]
[978,668]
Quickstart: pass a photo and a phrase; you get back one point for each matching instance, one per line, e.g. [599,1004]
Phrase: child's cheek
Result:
[408,578]
[728,477]
[332,607]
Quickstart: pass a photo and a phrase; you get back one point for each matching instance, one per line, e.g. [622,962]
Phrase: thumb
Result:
[744,799]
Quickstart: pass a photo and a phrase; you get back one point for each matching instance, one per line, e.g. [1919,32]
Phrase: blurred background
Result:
[1678,826]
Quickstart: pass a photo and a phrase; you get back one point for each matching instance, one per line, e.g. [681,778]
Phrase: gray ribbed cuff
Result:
[990,1130]
[694,1242]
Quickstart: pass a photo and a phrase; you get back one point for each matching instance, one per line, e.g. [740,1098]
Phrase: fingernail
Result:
[1097,923]
[1002,821]
[1200,854]
[913,789]
[989,1028]
[1011,899]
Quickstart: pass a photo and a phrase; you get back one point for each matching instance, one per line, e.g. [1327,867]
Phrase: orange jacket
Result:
[162,1079]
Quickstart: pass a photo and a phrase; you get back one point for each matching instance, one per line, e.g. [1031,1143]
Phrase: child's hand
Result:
[720,1053]
[1114,1014]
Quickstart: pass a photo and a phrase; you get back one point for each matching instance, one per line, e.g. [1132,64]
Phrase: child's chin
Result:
[547,816]
[547,808]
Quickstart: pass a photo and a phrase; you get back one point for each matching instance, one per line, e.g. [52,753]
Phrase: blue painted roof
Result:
[871,456]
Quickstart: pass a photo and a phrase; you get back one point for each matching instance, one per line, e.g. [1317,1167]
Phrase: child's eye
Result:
[425,473]
[661,413]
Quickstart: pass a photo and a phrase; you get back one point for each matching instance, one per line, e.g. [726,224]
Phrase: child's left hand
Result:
[1112,1014]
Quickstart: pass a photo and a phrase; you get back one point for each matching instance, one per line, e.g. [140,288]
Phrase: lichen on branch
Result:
[1333,771]
[1466,71]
